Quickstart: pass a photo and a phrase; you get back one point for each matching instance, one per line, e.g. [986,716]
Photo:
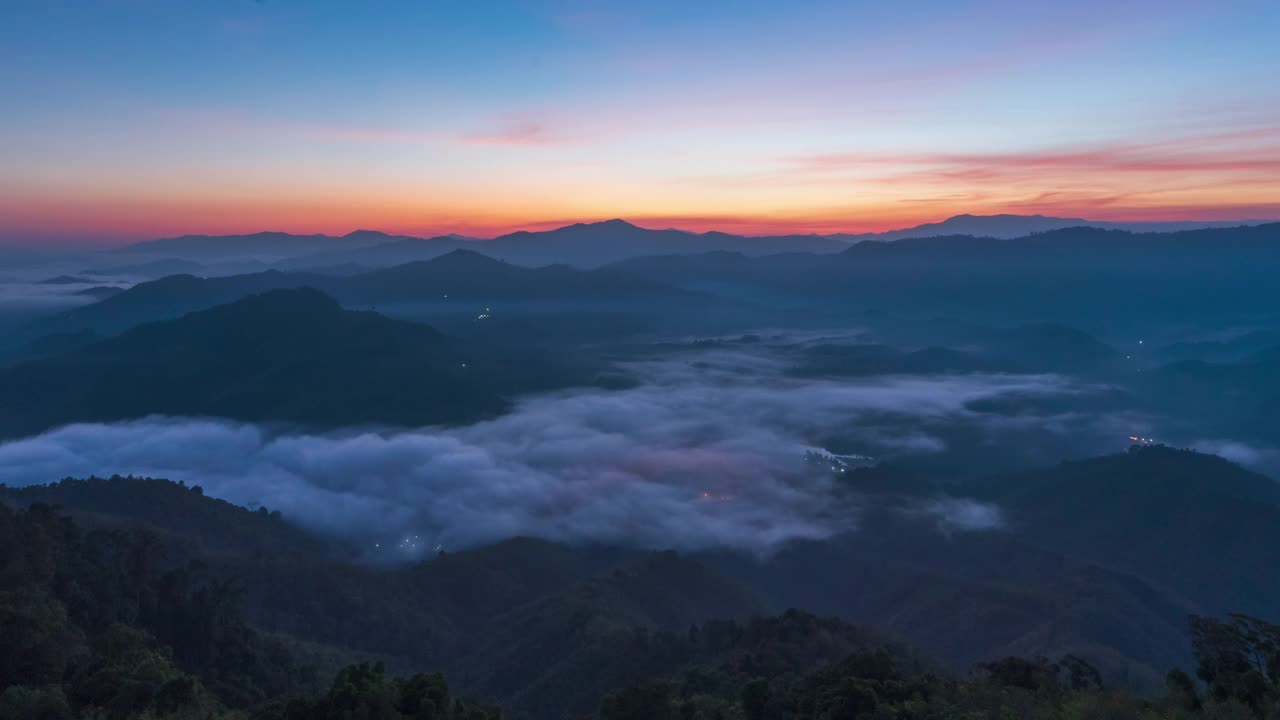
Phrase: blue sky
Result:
[146,117]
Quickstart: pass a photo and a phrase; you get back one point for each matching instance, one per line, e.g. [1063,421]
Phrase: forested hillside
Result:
[102,619]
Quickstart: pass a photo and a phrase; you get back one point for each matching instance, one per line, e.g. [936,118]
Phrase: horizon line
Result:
[82,241]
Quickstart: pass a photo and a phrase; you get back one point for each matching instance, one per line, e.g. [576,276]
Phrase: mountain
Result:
[163,266]
[122,623]
[1195,524]
[66,280]
[285,355]
[1069,247]
[580,245]
[967,597]
[469,275]
[546,628]
[100,292]
[560,654]
[216,527]
[1034,348]
[1101,558]
[550,629]
[595,244]
[387,252]
[167,298]
[461,282]
[121,619]
[1015,226]
[1086,246]
[1050,347]
[1107,282]
[870,359]
[262,246]
[1239,400]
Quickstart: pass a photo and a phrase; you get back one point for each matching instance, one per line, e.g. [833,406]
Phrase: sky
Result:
[130,119]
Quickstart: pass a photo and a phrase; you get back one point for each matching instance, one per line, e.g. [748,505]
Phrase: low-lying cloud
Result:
[708,451]
[1265,460]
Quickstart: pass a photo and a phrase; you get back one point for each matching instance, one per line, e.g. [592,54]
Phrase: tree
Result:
[1238,659]
[651,701]
[755,699]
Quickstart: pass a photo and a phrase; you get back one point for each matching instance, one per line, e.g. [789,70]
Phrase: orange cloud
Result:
[1251,151]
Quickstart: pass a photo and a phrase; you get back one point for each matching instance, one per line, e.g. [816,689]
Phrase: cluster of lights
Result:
[410,544]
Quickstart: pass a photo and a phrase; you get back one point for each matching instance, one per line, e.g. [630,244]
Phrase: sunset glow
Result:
[134,119]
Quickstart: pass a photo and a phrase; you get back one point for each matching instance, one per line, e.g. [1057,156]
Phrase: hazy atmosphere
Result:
[621,361]
[138,118]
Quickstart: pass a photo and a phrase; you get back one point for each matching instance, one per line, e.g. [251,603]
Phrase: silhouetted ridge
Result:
[461,259]
[284,302]
[1196,523]
[290,355]
[65,280]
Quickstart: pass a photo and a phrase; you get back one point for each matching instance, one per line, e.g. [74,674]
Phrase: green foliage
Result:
[44,703]
[1237,660]
[108,624]
[363,692]
[115,624]
[650,701]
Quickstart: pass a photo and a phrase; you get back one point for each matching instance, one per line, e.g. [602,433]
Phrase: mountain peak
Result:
[362,233]
[464,259]
[286,301]
[614,224]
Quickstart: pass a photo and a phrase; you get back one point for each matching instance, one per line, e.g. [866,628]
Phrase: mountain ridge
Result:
[258,358]
[597,243]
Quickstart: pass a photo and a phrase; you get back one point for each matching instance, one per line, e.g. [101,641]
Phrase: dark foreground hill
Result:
[1097,559]
[1196,524]
[119,622]
[292,356]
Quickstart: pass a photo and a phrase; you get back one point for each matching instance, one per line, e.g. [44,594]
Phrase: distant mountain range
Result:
[1007,227]
[1137,280]
[1105,281]
[582,244]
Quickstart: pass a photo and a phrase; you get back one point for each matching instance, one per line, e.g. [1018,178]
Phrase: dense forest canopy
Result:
[103,620]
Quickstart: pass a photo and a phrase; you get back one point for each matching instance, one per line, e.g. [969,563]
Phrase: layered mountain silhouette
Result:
[1239,399]
[462,278]
[1106,281]
[581,244]
[261,245]
[387,252]
[1195,524]
[1134,281]
[1014,226]
[292,356]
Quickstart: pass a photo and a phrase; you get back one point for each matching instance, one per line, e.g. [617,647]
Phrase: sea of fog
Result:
[706,450]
